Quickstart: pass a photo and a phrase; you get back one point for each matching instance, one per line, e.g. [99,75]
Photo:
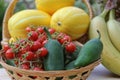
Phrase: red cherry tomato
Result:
[28,29]
[60,36]
[30,56]
[9,54]
[44,42]
[25,66]
[65,39]
[43,52]
[37,69]
[23,50]
[36,45]
[70,47]
[40,30]
[33,35]
[51,30]
[6,47]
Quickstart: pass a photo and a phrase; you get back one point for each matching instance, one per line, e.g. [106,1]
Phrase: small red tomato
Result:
[51,30]
[24,49]
[43,52]
[9,54]
[25,66]
[28,29]
[40,30]
[33,35]
[30,56]
[70,47]
[44,42]
[65,39]
[6,47]
[37,69]
[68,38]
[60,36]
[42,38]
[26,63]
[36,45]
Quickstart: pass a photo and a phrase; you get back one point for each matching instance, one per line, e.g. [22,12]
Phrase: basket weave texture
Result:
[21,74]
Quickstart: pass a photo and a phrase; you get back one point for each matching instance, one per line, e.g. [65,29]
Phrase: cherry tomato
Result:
[6,47]
[51,30]
[36,45]
[24,49]
[26,63]
[28,29]
[37,69]
[33,35]
[25,66]
[65,39]
[30,56]
[44,42]
[70,47]
[9,54]
[60,36]
[40,30]
[43,52]
[42,38]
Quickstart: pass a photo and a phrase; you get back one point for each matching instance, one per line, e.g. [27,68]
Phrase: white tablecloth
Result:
[99,73]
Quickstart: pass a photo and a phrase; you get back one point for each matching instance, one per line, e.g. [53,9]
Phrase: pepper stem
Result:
[48,33]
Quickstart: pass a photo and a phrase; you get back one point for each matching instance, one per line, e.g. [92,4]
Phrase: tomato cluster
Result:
[28,53]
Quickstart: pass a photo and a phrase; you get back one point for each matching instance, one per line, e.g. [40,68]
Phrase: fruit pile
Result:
[44,38]
[49,14]
[52,48]
[30,52]
[45,49]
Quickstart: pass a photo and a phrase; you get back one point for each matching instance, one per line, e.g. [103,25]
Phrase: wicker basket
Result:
[21,74]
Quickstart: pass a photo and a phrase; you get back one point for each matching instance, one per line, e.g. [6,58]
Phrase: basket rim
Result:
[50,73]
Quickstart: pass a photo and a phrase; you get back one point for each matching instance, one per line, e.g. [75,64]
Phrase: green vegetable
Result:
[70,65]
[55,58]
[90,52]
[10,62]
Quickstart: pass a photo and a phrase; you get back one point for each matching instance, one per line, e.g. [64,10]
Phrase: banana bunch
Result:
[114,30]
[110,32]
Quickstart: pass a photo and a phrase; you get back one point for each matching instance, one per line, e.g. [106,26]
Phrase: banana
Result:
[110,56]
[114,29]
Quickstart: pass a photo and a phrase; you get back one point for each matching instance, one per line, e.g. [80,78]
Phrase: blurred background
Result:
[97,5]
